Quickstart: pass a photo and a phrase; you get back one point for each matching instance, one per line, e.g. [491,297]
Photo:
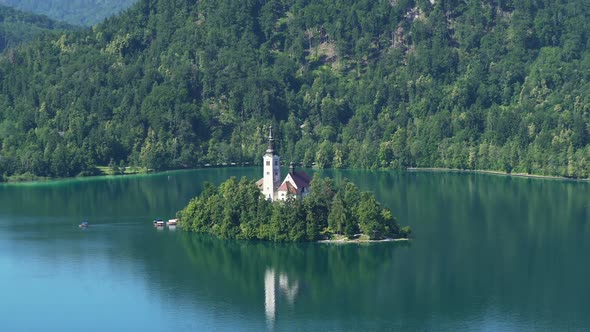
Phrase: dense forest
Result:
[489,85]
[238,210]
[17,27]
[76,12]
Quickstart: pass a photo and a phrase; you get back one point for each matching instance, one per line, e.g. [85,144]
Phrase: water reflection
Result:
[288,288]
[270,297]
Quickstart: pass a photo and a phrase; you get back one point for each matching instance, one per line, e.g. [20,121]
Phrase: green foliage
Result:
[17,27]
[115,169]
[405,231]
[371,84]
[237,210]
[370,221]
[77,12]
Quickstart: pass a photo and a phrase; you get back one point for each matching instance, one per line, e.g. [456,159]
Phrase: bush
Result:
[405,232]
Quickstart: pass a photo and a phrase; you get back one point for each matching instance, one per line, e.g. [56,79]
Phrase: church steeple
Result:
[272,169]
[271,142]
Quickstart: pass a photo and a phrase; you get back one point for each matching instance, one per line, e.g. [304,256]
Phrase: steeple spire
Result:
[271,142]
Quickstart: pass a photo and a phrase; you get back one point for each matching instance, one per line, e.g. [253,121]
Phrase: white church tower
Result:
[272,170]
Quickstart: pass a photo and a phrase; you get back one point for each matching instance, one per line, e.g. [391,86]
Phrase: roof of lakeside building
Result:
[288,187]
[300,179]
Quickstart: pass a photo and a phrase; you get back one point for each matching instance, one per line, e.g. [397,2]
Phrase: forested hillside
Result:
[495,85]
[77,12]
[17,27]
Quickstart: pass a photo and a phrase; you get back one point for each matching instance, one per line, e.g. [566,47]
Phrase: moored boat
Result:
[158,223]
[172,222]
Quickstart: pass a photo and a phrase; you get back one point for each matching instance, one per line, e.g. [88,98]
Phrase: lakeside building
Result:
[296,183]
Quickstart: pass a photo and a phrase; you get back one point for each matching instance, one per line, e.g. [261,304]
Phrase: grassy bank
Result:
[341,239]
[27,177]
[110,170]
[99,171]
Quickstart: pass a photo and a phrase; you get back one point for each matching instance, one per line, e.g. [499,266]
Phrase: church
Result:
[296,183]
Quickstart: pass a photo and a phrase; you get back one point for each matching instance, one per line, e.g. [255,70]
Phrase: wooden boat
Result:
[158,223]
[172,222]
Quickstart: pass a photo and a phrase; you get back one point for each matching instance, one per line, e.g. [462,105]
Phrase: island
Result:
[297,209]
[238,210]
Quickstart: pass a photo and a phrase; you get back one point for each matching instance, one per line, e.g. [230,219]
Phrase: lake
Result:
[489,253]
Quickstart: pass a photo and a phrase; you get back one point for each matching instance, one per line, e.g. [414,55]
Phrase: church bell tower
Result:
[271,169]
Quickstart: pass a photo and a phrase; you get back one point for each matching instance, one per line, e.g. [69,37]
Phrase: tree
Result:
[369,213]
[337,217]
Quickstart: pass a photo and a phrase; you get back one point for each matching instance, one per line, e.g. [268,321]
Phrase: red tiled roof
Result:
[288,187]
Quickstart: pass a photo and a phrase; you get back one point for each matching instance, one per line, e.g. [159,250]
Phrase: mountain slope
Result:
[17,27]
[77,12]
[496,86]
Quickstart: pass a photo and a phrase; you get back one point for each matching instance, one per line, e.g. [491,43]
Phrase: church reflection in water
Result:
[287,288]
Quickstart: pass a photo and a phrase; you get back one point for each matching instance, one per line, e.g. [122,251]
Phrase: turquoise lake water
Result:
[490,253]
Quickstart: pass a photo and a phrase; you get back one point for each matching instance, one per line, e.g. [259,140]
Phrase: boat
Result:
[172,222]
[84,224]
[158,223]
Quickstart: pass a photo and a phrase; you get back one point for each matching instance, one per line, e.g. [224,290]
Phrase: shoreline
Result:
[103,171]
[347,241]
[29,178]
[500,173]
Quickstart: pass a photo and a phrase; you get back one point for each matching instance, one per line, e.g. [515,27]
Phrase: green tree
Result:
[369,213]
[337,217]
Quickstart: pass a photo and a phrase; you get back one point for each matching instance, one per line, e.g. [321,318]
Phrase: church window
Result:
[268,163]
[267,173]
